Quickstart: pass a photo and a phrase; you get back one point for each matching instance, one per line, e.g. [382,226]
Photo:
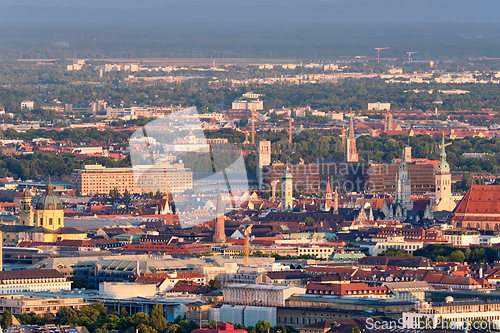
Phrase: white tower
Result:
[287,191]
[443,200]
[263,159]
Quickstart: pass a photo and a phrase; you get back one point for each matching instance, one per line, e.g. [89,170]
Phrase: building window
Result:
[50,221]
[41,221]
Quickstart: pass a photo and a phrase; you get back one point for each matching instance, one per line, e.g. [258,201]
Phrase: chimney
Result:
[480,272]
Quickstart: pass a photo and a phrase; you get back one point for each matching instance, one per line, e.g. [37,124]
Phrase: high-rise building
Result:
[162,176]
[263,159]
[287,191]
[444,201]
[306,176]
[403,182]
[350,153]
[220,233]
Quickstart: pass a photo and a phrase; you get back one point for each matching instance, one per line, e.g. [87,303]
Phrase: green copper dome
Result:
[443,165]
[49,201]
[287,174]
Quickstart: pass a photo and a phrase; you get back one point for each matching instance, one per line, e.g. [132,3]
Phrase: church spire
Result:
[443,151]
[351,126]
[350,152]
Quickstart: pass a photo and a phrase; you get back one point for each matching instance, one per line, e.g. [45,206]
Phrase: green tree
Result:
[262,326]
[6,320]
[457,256]
[215,284]
[123,312]
[355,329]
[308,221]
[393,252]
[157,319]
[126,194]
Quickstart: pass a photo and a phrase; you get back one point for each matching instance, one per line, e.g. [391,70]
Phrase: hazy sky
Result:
[358,11]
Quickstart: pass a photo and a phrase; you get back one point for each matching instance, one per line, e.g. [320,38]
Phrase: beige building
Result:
[413,291]
[455,314]
[259,294]
[19,304]
[99,179]
[14,282]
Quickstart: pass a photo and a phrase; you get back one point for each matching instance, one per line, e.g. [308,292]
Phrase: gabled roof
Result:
[479,200]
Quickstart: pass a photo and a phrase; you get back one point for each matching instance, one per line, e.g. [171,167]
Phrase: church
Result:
[402,208]
[44,223]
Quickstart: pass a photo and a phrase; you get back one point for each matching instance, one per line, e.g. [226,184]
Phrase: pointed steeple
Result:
[443,151]
[351,126]
[336,201]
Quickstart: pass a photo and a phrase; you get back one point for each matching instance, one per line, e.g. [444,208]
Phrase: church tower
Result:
[287,191]
[26,214]
[403,181]
[444,200]
[328,197]
[351,154]
[220,232]
[49,212]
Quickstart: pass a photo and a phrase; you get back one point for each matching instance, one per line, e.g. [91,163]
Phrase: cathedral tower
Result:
[351,154]
[26,214]
[403,181]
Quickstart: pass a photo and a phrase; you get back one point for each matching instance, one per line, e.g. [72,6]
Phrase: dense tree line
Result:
[40,164]
[73,135]
[446,253]
[97,319]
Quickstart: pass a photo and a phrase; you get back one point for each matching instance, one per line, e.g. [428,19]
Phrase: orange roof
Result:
[479,200]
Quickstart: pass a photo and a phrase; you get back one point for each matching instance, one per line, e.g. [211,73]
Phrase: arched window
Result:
[487,227]
[50,221]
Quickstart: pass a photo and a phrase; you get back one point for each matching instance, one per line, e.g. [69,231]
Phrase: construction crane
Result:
[247,244]
[289,129]
[409,55]
[378,52]
[273,189]
[253,125]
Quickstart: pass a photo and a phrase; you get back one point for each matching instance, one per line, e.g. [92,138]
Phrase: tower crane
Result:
[378,52]
[409,55]
[253,125]
[273,189]
[289,129]
[247,244]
